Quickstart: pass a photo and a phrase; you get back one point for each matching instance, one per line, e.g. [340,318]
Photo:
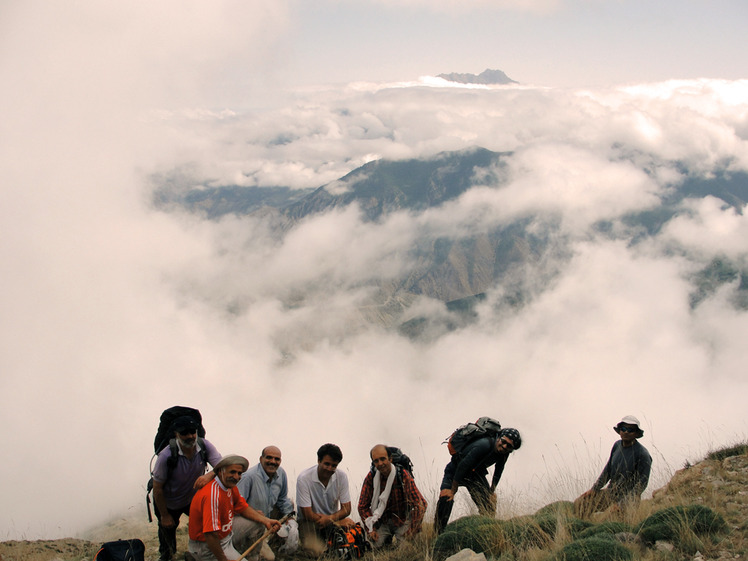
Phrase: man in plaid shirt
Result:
[390,504]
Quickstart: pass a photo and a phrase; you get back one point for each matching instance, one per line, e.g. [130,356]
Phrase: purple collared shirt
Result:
[178,489]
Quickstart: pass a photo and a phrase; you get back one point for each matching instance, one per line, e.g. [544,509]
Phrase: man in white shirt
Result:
[324,499]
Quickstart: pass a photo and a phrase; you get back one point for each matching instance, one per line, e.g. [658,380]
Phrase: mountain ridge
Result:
[515,255]
[487,77]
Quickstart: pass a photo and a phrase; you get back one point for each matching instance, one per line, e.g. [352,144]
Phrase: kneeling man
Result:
[390,504]
[626,473]
[323,498]
[212,513]
[265,488]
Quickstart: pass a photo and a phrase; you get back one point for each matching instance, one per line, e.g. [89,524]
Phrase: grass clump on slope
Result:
[600,547]
[558,520]
[488,535]
[683,526]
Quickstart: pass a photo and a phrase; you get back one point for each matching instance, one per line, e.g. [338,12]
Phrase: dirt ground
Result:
[84,549]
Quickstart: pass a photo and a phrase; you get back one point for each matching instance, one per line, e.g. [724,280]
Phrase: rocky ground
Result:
[70,549]
[721,484]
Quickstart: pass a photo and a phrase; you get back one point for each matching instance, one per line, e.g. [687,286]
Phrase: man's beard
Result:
[187,443]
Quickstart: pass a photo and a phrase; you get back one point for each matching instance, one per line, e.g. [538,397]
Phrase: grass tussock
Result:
[553,533]
[727,452]
[600,547]
[689,528]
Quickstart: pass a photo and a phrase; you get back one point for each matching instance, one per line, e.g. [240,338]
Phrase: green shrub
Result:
[524,533]
[596,548]
[563,508]
[608,528]
[490,536]
[482,534]
[550,517]
[678,523]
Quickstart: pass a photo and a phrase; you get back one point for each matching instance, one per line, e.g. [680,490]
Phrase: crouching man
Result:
[324,500]
[626,474]
[390,504]
[212,513]
[265,488]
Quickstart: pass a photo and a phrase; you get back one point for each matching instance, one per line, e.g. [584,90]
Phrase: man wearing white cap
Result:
[626,472]
[212,513]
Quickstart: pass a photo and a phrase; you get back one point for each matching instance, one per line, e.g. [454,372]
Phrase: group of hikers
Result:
[232,508]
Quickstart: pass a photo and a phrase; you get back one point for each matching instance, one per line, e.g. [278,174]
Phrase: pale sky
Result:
[111,311]
[574,43]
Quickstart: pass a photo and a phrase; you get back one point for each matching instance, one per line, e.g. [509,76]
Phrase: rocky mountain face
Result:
[521,255]
[719,482]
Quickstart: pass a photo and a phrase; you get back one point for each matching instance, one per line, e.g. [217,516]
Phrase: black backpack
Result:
[165,430]
[165,437]
[464,435]
[121,550]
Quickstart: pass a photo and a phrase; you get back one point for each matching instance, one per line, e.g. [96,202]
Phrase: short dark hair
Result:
[330,450]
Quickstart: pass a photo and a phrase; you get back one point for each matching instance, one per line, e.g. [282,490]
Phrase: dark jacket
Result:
[473,461]
[627,470]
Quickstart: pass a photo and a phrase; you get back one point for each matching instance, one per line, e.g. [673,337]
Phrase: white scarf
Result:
[379,502]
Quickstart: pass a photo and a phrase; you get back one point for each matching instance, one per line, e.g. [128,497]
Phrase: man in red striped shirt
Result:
[212,513]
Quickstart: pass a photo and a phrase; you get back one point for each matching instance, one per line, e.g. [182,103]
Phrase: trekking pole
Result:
[264,536]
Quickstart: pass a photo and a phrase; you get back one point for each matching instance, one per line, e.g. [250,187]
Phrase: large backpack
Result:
[399,459]
[348,543]
[464,435]
[165,437]
[121,550]
[165,430]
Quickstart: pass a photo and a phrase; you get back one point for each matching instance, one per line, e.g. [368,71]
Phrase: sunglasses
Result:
[627,429]
[506,444]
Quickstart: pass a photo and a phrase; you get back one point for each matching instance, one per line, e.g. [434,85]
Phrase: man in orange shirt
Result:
[212,513]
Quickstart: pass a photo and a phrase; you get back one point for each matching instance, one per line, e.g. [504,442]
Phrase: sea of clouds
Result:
[113,310]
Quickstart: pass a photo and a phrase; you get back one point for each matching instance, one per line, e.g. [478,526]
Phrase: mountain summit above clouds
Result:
[488,76]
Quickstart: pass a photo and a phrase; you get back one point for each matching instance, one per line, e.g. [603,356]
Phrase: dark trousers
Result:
[479,491]
[167,537]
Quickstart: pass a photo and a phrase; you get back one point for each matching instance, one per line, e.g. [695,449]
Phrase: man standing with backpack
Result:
[390,504]
[469,467]
[179,472]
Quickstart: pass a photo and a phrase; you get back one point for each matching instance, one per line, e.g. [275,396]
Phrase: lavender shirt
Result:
[178,489]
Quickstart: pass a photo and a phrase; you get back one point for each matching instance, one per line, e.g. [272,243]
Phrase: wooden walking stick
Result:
[264,536]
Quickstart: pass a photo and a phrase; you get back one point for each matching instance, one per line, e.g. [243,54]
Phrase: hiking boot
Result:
[266,554]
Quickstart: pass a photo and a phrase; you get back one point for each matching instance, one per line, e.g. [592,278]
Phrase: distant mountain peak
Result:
[488,76]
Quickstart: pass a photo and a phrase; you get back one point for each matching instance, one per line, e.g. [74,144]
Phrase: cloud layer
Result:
[113,311]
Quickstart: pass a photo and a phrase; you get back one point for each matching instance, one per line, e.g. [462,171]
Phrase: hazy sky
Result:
[111,311]
[544,42]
